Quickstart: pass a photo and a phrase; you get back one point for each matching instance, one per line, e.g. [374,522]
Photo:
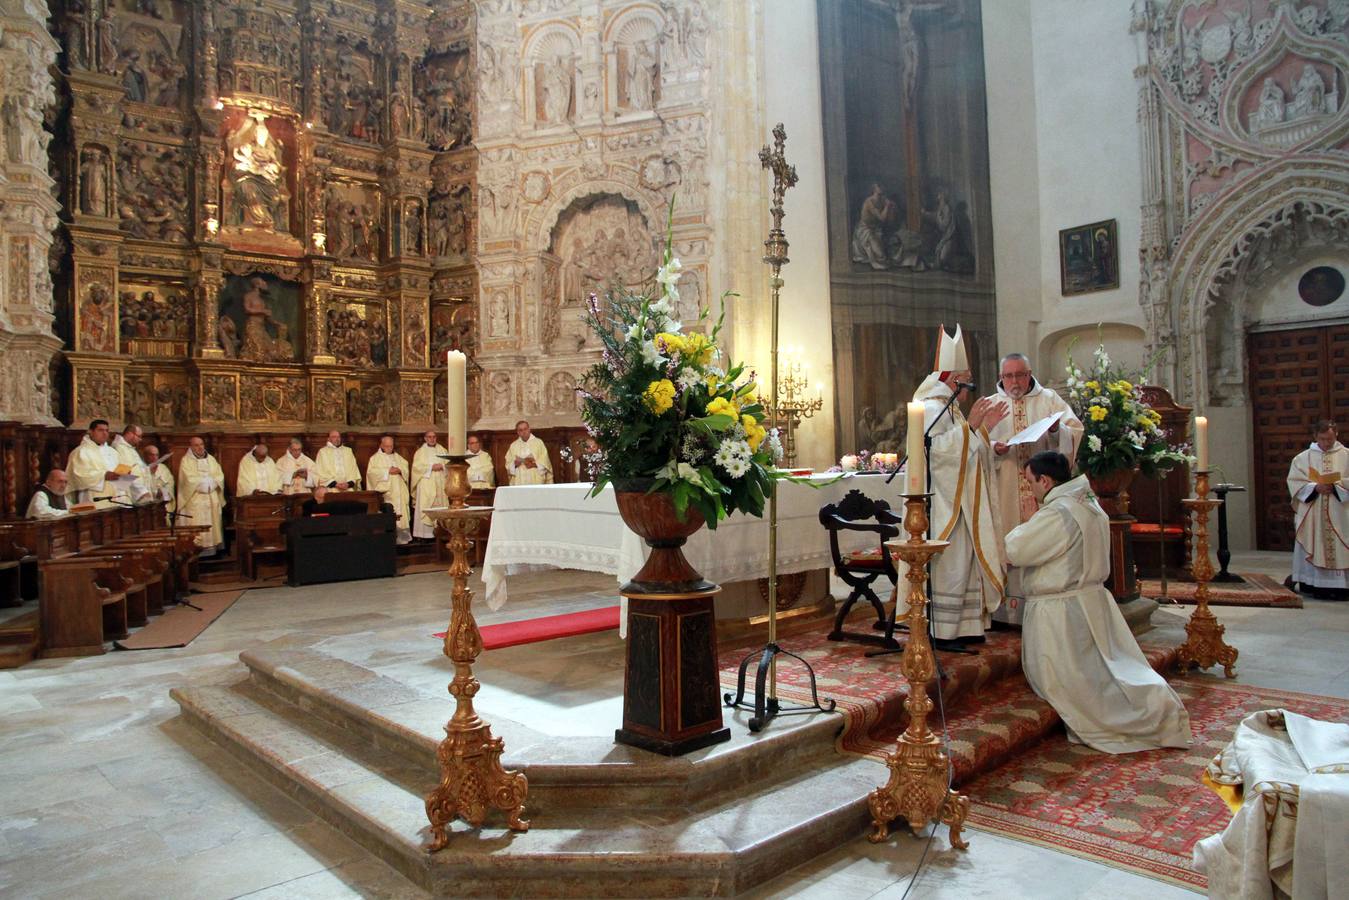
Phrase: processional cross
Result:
[784,177]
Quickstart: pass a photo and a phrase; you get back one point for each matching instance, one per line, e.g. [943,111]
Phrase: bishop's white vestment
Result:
[1076,649]
[1016,502]
[393,487]
[201,497]
[257,476]
[967,577]
[338,464]
[428,487]
[86,467]
[522,450]
[292,482]
[1321,521]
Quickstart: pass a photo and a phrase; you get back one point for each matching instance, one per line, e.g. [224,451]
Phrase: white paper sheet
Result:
[1033,432]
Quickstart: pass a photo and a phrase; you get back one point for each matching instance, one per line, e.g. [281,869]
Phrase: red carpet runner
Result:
[530,631]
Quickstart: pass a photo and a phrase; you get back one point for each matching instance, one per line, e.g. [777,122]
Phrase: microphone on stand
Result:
[966,385]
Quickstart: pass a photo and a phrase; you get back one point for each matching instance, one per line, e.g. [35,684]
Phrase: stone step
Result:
[391,716]
[718,846]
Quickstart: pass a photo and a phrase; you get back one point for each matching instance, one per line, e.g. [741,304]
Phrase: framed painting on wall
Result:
[1089,258]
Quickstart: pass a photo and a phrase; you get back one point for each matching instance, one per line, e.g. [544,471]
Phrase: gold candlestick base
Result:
[472,779]
[919,769]
[1204,645]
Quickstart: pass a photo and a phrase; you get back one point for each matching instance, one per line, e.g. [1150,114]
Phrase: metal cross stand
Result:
[766,705]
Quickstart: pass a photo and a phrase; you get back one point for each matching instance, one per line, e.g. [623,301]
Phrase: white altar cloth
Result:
[557,526]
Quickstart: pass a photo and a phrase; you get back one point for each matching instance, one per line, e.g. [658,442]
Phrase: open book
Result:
[1316,477]
[1033,432]
[122,470]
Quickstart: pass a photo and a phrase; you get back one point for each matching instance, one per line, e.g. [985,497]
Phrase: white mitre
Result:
[951,357]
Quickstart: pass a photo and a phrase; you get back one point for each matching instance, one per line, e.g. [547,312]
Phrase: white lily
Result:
[689,473]
[651,355]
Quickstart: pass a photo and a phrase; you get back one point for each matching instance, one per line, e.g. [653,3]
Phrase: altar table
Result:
[558,526]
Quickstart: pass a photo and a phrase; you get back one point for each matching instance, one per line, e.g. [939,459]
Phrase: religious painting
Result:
[1089,258]
[259,318]
[155,320]
[909,205]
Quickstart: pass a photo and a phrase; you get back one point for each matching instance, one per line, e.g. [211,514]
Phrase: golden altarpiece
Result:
[269,208]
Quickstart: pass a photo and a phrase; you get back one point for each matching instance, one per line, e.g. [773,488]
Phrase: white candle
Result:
[915,481]
[1201,443]
[456,402]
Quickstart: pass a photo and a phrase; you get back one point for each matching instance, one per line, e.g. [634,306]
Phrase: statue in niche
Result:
[1271,108]
[398,113]
[642,76]
[601,243]
[134,80]
[440,229]
[555,81]
[562,393]
[261,198]
[416,339]
[499,398]
[169,73]
[413,228]
[106,37]
[533,393]
[94,182]
[258,342]
[499,315]
[1309,95]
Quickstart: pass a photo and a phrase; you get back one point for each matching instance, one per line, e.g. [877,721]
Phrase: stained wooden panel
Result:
[1296,378]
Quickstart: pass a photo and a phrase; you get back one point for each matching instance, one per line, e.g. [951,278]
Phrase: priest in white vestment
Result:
[1028,402]
[160,480]
[428,484]
[134,488]
[1318,481]
[336,465]
[49,500]
[258,473]
[299,473]
[482,472]
[967,578]
[92,468]
[1076,650]
[387,472]
[527,458]
[201,494]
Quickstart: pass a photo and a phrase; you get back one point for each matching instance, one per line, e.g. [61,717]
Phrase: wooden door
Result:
[1296,377]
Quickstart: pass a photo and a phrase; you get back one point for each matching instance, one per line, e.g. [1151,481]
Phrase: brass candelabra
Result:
[1204,645]
[472,779]
[793,405]
[918,788]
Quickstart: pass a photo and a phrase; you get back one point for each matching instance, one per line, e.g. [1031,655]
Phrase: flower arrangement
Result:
[660,406]
[1121,430]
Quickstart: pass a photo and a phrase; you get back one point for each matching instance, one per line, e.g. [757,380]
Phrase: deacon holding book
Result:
[967,578]
[258,473]
[201,494]
[387,472]
[337,465]
[93,467]
[1320,493]
[428,484]
[134,487]
[160,479]
[299,474]
[1076,649]
[527,458]
[1028,402]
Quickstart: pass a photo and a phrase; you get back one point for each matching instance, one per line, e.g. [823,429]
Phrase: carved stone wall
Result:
[1245,129]
[591,117]
[28,213]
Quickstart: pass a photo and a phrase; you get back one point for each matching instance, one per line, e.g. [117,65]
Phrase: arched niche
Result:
[1125,343]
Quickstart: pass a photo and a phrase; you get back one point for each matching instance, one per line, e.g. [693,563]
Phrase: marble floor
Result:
[104,793]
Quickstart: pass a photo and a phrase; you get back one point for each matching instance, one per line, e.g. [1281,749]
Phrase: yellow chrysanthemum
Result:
[754,432]
[720,406]
[1093,385]
[674,343]
[659,396]
[1098,413]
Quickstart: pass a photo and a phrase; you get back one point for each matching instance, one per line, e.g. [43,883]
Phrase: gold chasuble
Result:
[534,449]
[201,495]
[1321,518]
[428,487]
[257,476]
[393,486]
[338,464]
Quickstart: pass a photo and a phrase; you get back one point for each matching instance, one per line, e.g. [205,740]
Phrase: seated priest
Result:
[527,458]
[299,474]
[481,471]
[93,467]
[135,487]
[428,484]
[258,473]
[336,465]
[160,480]
[1318,482]
[201,494]
[49,500]
[387,472]
[1076,650]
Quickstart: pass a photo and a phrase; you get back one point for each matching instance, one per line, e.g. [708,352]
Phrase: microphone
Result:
[965,385]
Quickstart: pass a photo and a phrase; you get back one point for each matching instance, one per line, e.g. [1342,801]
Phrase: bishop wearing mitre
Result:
[258,473]
[92,467]
[527,458]
[337,465]
[481,471]
[201,494]
[387,472]
[428,484]
[967,578]
[1318,481]
[160,480]
[299,473]
[1028,402]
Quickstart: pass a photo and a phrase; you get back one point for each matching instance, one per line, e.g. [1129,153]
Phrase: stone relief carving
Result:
[452,224]
[554,87]
[98,393]
[418,401]
[562,398]
[148,61]
[330,401]
[171,402]
[273,399]
[500,396]
[353,106]
[139,399]
[218,398]
[366,405]
[357,334]
[152,191]
[352,215]
[445,92]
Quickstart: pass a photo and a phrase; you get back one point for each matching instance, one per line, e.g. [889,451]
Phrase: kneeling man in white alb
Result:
[1076,649]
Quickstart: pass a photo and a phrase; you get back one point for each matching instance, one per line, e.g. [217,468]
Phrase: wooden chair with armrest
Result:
[860,513]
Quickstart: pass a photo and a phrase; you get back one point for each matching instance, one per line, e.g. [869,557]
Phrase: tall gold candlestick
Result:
[1204,645]
[919,768]
[472,779]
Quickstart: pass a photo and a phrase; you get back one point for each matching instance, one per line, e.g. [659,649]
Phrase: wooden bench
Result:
[83,605]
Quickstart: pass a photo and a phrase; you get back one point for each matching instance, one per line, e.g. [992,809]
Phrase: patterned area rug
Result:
[1140,811]
[1256,590]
